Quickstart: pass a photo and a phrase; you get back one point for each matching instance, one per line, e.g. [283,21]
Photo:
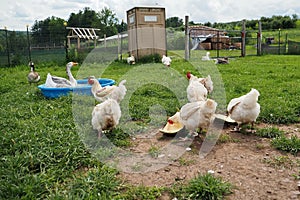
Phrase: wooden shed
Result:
[146,31]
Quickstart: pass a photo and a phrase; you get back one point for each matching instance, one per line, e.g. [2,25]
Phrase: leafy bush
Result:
[154,58]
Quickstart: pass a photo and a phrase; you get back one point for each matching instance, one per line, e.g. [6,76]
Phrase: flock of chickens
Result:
[199,112]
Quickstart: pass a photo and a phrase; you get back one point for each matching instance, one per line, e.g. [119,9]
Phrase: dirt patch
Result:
[250,163]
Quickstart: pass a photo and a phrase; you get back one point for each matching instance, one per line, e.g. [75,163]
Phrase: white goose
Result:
[55,81]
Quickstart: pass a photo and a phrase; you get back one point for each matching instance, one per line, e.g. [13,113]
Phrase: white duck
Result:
[55,81]
[102,93]
[166,60]
[33,76]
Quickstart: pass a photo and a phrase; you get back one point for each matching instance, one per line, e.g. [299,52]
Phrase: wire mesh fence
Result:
[18,48]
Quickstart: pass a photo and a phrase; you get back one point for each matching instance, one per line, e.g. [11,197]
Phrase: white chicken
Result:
[173,125]
[244,109]
[106,116]
[131,60]
[33,76]
[208,83]
[166,60]
[199,114]
[195,90]
[102,93]
[55,81]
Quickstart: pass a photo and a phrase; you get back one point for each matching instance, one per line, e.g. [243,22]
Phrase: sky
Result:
[15,15]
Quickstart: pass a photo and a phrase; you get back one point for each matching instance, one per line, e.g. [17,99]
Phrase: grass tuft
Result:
[269,132]
[291,145]
[204,187]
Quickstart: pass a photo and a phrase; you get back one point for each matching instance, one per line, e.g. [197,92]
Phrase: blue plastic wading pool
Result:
[82,88]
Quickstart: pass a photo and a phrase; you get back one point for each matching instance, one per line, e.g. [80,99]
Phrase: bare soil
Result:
[255,168]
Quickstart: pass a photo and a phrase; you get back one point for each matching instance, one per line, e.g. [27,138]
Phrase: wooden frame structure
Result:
[82,33]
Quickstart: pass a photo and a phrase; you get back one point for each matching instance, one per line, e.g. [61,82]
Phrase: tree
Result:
[174,22]
[122,27]
[50,31]
[107,22]
[208,24]
[84,19]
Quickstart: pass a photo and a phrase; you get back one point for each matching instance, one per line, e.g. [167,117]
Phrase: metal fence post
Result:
[28,42]
[119,46]
[7,47]
[66,42]
[279,42]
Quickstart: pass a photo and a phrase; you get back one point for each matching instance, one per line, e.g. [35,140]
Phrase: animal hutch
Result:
[146,31]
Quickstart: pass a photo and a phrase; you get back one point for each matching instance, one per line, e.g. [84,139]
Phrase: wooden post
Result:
[187,49]
[69,42]
[78,43]
[259,37]
[243,36]
[218,43]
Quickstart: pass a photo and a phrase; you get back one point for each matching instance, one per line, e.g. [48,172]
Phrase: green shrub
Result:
[154,58]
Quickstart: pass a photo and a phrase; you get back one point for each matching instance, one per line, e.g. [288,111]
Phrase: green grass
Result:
[269,132]
[42,151]
[283,162]
[276,78]
[204,187]
[291,145]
